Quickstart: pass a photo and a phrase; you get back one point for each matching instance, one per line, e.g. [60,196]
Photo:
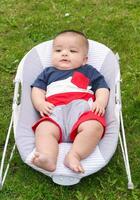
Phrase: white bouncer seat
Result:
[104,60]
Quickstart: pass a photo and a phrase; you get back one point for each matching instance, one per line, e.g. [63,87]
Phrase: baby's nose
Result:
[64,52]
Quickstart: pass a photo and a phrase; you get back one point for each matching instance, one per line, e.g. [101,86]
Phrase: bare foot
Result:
[73,162]
[40,160]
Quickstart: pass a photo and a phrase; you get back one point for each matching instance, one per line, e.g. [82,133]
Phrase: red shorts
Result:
[84,117]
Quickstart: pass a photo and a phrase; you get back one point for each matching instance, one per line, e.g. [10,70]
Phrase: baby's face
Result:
[69,52]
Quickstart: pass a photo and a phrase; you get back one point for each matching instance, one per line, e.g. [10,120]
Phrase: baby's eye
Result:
[58,50]
[73,51]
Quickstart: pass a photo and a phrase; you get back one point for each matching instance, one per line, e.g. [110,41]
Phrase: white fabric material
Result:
[45,52]
[93,162]
[101,58]
[93,56]
[63,86]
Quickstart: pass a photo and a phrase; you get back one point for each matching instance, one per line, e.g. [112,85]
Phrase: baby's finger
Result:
[96,111]
[94,108]
[48,111]
[101,112]
[42,114]
[50,105]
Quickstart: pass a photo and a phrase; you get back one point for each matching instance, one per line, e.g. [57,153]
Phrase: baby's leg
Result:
[89,134]
[47,136]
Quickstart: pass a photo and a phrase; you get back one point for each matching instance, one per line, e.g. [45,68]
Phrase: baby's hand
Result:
[98,108]
[45,108]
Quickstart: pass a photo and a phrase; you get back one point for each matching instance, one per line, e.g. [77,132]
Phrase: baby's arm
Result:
[99,105]
[38,99]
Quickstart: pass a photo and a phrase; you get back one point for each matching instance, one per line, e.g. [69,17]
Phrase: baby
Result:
[71,97]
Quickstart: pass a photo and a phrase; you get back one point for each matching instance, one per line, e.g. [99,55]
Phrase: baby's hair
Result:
[76,33]
[71,31]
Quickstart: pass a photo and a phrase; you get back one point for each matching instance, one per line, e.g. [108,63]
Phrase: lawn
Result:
[116,23]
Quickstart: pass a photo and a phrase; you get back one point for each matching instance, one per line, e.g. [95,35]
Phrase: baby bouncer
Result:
[24,115]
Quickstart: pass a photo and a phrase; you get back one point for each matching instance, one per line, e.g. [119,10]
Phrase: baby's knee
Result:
[98,127]
[91,126]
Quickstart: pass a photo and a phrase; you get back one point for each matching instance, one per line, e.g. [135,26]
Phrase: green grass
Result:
[114,23]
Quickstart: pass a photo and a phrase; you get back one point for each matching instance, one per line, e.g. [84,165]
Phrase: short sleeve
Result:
[97,80]
[42,80]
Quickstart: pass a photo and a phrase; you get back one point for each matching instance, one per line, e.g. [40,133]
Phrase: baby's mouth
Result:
[64,60]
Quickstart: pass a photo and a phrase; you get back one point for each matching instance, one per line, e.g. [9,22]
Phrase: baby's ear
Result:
[85,60]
